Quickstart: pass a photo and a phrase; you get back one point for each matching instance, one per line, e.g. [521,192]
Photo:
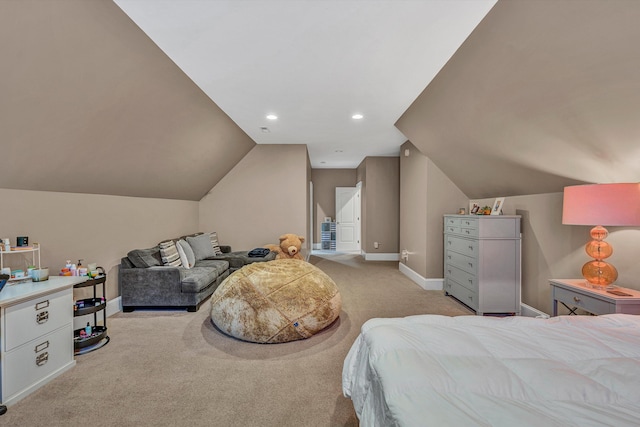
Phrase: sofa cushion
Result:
[187,256]
[201,246]
[197,278]
[169,253]
[219,265]
[214,243]
[143,258]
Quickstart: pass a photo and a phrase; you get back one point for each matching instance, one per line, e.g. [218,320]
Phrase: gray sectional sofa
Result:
[145,279]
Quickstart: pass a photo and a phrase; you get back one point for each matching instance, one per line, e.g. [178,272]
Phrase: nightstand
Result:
[575,294]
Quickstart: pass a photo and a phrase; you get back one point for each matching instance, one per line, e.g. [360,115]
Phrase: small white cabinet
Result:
[482,262]
[36,334]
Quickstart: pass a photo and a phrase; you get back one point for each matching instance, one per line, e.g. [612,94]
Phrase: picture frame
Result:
[497,206]
[474,207]
[327,219]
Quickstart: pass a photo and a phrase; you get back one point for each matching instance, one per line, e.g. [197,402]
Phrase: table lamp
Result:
[599,205]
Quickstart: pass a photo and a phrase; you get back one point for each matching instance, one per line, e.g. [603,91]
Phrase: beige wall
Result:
[380,204]
[264,196]
[85,91]
[426,195]
[551,250]
[325,182]
[95,228]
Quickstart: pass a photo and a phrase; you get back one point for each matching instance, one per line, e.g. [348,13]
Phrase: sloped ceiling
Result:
[543,94]
[313,63]
[89,104]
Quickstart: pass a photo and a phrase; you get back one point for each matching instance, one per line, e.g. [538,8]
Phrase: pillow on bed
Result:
[187,257]
[201,246]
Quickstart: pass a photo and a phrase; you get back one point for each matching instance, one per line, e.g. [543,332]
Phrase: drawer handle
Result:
[41,346]
[467,231]
[451,229]
[448,242]
[470,281]
[42,317]
[470,247]
[42,304]
[470,264]
[42,358]
[467,222]
[576,299]
[449,271]
[449,256]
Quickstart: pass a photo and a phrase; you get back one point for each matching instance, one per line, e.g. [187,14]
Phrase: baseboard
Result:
[381,257]
[113,306]
[423,282]
[528,311]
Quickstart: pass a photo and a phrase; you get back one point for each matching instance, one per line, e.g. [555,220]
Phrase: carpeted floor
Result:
[174,368]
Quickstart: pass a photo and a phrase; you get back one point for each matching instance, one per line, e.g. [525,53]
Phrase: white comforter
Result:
[484,371]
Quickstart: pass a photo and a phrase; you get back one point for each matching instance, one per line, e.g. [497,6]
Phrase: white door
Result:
[347,219]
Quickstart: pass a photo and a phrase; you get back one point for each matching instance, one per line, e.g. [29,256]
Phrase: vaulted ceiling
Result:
[543,94]
[540,95]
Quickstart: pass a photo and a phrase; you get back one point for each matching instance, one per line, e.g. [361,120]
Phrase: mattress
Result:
[484,371]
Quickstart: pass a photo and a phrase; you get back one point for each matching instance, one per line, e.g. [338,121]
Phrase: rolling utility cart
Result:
[93,336]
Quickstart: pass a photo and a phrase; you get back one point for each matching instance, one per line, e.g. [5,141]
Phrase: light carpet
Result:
[174,368]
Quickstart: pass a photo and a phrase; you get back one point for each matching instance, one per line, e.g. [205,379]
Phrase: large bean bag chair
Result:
[276,301]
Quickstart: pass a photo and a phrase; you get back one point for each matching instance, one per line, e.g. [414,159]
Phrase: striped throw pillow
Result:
[169,254]
[214,243]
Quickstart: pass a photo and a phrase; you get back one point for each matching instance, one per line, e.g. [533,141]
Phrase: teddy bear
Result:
[289,248]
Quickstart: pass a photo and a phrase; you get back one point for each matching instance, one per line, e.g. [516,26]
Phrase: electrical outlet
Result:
[376,245]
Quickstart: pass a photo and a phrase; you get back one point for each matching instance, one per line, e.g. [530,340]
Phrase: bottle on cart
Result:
[87,329]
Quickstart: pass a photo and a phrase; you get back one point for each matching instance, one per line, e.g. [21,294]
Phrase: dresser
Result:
[482,258]
[36,334]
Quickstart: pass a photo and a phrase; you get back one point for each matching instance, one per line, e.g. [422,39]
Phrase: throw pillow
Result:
[143,258]
[202,247]
[169,254]
[187,256]
[214,243]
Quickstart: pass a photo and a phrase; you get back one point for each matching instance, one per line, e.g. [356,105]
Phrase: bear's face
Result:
[291,243]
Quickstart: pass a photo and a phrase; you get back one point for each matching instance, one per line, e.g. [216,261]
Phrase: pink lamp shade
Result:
[598,205]
[602,204]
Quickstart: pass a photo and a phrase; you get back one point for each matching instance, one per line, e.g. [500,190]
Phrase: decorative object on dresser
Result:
[601,205]
[497,206]
[36,326]
[482,262]
[577,294]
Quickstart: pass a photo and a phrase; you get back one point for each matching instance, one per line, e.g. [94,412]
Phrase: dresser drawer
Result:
[585,302]
[462,294]
[39,316]
[452,229]
[462,246]
[469,281]
[35,360]
[451,221]
[466,263]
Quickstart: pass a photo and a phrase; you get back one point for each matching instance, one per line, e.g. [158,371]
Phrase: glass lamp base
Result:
[599,273]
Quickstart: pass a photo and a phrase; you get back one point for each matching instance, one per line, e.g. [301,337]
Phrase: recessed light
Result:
[272,117]
[357,116]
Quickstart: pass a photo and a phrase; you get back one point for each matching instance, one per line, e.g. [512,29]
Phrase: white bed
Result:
[485,371]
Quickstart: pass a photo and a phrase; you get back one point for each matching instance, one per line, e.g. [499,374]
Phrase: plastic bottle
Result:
[87,329]
[74,271]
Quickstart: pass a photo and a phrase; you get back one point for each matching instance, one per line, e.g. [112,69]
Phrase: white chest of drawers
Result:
[482,256]
[36,335]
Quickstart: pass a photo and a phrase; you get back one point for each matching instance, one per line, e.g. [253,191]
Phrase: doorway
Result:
[348,219]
